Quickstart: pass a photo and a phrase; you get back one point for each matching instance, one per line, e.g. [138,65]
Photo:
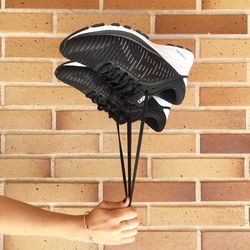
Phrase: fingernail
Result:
[124,200]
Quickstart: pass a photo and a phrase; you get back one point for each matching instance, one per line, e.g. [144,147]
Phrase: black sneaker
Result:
[128,58]
[94,86]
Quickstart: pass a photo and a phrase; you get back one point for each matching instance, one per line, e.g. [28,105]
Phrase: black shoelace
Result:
[130,183]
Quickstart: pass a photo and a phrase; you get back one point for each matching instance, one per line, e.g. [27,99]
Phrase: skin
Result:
[109,223]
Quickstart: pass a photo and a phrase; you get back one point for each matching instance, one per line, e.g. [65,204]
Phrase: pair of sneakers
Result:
[122,71]
[128,76]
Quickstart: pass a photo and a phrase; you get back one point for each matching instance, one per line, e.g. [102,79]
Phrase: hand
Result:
[110,223]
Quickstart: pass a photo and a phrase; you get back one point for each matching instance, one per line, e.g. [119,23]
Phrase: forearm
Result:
[19,218]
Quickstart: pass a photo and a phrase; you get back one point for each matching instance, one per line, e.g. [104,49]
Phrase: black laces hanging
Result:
[129,183]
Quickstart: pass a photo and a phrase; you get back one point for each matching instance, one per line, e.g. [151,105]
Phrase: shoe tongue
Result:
[155,116]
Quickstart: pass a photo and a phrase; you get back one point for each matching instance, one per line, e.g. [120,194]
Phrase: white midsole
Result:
[179,58]
[163,103]
[74,64]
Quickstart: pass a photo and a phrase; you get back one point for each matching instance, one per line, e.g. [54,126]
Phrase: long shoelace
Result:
[130,183]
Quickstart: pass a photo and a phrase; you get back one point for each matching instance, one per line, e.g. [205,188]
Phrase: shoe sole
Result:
[133,47]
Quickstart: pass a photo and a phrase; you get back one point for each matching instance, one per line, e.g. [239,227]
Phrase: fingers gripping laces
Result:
[130,184]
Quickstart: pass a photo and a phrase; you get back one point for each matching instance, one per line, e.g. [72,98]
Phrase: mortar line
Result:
[207,60]
[2,95]
[152,24]
[1,242]
[197,191]
[93,108]
[246,210]
[158,12]
[248,73]
[60,107]
[153,204]
[148,215]
[100,191]
[100,247]
[2,188]
[198,143]
[188,132]
[149,167]
[54,22]
[116,155]
[2,144]
[198,239]
[52,167]
[101,6]
[119,179]
[198,5]
[247,119]
[53,119]
[197,96]
[2,4]
[246,167]
[154,36]
[101,146]
[248,24]
[3,47]
[197,48]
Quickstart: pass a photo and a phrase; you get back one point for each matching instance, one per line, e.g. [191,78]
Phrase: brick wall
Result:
[58,152]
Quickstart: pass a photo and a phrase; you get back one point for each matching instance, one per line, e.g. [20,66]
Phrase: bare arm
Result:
[111,223]
[19,218]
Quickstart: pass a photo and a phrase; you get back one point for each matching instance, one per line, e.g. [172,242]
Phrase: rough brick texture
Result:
[137,4]
[225,191]
[154,191]
[225,240]
[201,24]
[56,148]
[56,4]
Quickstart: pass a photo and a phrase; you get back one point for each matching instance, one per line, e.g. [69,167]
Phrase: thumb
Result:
[114,205]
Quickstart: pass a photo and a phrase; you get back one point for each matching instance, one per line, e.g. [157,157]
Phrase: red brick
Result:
[160,240]
[45,96]
[26,71]
[228,240]
[152,191]
[153,4]
[154,143]
[207,119]
[225,191]
[20,168]
[225,4]
[225,48]
[25,119]
[201,24]
[225,96]
[54,143]
[218,72]
[94,167]
[55,4]
[71,22]
[52,192]
[197,168]
[197,216]
[32,47]
[225,143]
[12,242]
[26,22]
[87,120]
